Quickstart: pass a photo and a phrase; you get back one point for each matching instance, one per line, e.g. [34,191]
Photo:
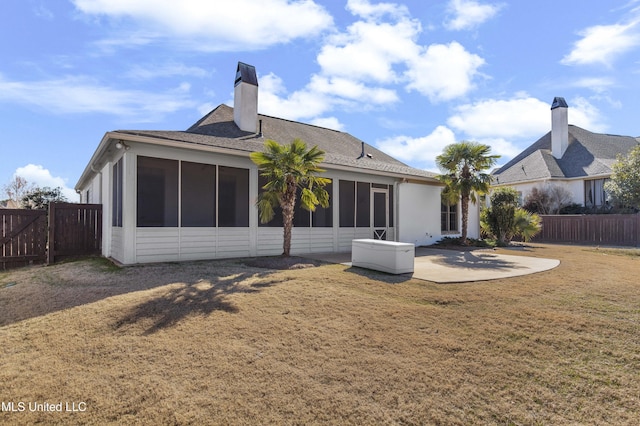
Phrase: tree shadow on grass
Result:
[379,275]
[475,260]
[202,297]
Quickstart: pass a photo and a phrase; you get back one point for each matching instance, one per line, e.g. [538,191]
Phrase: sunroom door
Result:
[380,213]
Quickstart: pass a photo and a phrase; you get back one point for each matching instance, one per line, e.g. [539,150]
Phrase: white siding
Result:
[345,235]
[117,244]
[157,245]
[197,243]
[419,214]
[303,240]
[233,242]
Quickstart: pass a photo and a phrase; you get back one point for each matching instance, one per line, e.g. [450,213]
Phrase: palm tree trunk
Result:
[288,204]
[465,218]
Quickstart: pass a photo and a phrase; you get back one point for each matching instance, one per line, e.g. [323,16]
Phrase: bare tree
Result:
[548,199]
[17,188]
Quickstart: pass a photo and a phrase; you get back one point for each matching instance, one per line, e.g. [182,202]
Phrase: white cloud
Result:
[80,95]
[596,84]
[583,114]
[363,66]
[42,177]
[274,100]
[365,9]
[328,122]
[351,89]
[216,26]
[603,43]
[522,117]
[444,72]
[421,150]
[468,14]
[369,50]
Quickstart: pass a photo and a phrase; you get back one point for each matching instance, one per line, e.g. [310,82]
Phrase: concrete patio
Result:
[455,266]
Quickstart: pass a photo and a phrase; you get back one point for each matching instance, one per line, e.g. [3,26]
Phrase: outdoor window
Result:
[594,193]
[233,197]
[363,205]
[198,194]
[157,193]
[347,203]
[116,208]
[448,217]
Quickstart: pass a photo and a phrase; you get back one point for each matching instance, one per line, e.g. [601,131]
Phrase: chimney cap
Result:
[559,102]
[246,73]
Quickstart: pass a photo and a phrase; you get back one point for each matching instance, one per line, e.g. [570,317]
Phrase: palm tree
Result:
[289,168]
[463,165]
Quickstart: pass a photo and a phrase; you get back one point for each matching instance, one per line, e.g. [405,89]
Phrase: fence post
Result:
[52,233]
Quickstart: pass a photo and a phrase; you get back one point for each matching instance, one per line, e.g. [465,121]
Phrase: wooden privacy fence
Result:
[23,237]
[74,230]
[602,229]
[38,236]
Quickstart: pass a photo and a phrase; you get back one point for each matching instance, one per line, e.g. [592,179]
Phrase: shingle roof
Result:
[588,154]
[217,129]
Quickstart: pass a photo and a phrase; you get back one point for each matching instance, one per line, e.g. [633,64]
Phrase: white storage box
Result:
[386,256]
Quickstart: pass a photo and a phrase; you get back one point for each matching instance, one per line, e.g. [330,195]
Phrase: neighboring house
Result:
[570,156]
[186,195]
[9,204]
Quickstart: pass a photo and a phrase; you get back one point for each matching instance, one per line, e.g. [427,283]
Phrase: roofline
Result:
[523,182]
[90,169]
[96,159]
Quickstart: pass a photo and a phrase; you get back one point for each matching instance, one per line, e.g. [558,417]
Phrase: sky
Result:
[408,77]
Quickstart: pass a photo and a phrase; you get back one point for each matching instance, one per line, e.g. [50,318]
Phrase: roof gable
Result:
[588,154]
[218,129]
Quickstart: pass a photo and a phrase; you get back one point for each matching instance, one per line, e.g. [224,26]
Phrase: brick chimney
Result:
[245,98]
[559,127]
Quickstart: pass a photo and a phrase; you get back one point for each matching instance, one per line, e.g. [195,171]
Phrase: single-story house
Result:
[569,156]
[188,195]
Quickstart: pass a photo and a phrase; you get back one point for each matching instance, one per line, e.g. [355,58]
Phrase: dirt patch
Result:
[282,263]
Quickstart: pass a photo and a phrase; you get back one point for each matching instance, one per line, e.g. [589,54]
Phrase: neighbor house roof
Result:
[218,131]
[588,154]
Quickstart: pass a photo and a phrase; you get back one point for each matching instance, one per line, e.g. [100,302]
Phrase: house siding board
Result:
[233,242]
[157,245]
[117,244]
[346,235]
[197,243]
[419,214]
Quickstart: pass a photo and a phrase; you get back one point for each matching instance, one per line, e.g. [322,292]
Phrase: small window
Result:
[198,193]
[233,197]
[363,206]
[347,198]
[594,193]
[449,217]
[116,208]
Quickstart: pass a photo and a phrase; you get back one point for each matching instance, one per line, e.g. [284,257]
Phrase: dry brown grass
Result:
[224,343]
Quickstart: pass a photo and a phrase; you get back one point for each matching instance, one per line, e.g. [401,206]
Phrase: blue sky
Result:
[408,77]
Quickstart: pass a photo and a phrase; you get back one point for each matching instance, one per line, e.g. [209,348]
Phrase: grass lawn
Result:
[224,343]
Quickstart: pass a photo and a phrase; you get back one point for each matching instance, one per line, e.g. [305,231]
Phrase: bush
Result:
[504,220]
